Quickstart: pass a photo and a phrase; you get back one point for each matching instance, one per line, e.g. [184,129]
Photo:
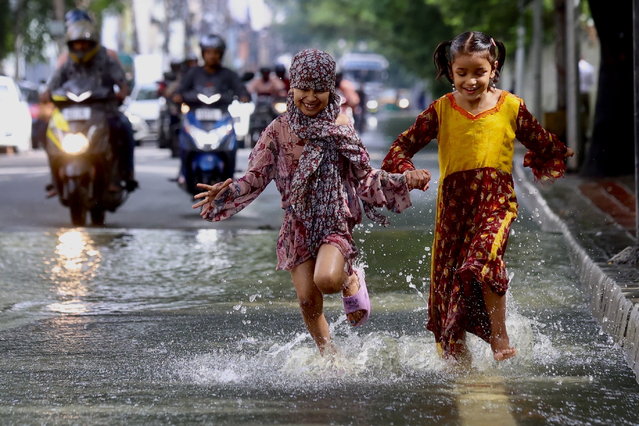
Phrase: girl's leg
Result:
[329,276]
[499,342]
[311,304]
[459,355]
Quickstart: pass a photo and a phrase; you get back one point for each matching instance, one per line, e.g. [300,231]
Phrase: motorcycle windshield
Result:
[83,89]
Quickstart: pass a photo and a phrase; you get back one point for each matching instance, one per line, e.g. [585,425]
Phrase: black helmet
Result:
[280,69]
[213,41]
[82,31]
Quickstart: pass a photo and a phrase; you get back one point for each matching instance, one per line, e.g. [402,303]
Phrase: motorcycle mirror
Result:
[247,76]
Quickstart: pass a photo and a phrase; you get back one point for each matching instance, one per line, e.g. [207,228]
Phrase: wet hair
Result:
[471,42]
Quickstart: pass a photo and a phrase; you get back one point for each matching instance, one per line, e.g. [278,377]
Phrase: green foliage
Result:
[32,27]
[29,21]
[406,31]
[5,30]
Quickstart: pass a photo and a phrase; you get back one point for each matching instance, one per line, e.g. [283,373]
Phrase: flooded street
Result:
[178,325]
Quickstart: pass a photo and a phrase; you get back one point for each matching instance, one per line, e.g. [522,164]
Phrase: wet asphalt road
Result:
[158,203]
[159,318]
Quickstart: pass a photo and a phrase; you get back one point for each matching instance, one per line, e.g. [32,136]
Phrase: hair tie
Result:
[492,41]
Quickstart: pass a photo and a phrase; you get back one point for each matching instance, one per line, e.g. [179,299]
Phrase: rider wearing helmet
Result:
[88,59]
[266,84]
[280,72]
[70,18]
[212,73]
[82,41]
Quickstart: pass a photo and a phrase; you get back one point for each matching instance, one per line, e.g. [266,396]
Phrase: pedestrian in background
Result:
[475,126]
[586,83]
[322,172]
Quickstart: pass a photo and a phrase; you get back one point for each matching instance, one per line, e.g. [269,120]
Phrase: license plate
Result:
[208,114]
[76,113]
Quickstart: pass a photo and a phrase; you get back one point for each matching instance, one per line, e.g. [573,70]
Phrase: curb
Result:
[609,303]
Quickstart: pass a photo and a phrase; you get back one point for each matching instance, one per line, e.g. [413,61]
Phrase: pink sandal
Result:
[359,301]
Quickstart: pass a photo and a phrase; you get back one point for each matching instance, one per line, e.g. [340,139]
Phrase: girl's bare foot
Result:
[460,358]
[350,290]
[501,348]
[328,349]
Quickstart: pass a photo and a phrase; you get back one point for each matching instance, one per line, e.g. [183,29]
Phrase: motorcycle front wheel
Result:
[77,203]
[98,216]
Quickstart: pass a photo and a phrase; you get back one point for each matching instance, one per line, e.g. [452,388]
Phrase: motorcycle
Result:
[207,140]
[84,166]
[267,108]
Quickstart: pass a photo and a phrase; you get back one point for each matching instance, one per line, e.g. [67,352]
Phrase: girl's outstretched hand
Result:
[211,191]
[417,179]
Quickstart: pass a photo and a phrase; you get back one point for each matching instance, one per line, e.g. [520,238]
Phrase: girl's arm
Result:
[383,189]
[235,196]
[407,144]
[546,153]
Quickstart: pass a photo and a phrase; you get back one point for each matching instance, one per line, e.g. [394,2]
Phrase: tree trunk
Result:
[611,151]
[560,52]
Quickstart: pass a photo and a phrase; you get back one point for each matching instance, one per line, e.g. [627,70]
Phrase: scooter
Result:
[83,165]
[208,142]
[267,108]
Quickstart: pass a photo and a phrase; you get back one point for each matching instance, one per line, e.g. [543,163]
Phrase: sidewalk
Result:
[597,219]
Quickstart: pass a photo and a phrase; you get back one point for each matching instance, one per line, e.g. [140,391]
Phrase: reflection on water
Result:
[75,262]
[196,326]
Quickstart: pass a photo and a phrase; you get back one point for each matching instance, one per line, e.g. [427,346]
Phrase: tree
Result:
[406,31]
[24,24]
[611,151]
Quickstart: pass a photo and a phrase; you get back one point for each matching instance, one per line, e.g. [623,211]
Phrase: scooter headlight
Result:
[280,107]
[372,105]
[75,143]
[211,140]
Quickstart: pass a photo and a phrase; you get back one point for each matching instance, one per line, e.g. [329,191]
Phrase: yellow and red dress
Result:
[476,202]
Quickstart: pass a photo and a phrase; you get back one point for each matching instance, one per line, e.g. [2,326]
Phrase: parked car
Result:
[141,130]
[145,103]
[15,118]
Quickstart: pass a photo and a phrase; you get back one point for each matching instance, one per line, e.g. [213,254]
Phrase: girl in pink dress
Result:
[323,174]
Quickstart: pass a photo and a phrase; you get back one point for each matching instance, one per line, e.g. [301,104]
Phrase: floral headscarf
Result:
[319,197]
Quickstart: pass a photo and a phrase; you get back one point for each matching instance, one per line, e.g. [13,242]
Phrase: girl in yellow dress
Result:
[475,127]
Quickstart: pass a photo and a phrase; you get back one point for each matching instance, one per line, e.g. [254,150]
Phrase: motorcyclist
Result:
[88,59]
[210,75]
[70,18]
[170,118]
[351,102]
[266,84]
[280,72]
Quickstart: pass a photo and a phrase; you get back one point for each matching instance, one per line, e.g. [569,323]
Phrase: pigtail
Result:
[442,60]
[501,58]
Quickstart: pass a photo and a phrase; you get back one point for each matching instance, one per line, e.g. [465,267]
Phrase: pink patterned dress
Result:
[276,156]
